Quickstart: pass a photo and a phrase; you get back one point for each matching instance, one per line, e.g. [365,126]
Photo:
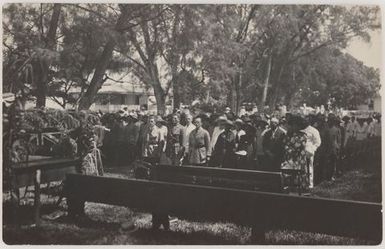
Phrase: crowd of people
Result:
[313,143]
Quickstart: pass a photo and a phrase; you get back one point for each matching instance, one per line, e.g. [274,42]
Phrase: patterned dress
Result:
[295,153]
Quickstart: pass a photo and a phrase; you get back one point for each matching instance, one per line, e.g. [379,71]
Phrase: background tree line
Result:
[222,54]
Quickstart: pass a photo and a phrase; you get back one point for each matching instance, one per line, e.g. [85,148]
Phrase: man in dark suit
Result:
[273,145]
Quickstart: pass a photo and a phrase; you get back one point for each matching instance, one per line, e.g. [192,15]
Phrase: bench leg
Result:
[75,207]
[258,235]
[37,203]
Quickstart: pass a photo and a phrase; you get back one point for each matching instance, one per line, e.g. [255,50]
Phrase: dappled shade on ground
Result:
[102,225]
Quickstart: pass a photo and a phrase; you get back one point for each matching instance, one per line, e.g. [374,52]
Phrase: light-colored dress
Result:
[199,142]
[151,142]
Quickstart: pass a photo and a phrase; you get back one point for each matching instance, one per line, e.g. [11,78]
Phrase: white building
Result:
[113,96]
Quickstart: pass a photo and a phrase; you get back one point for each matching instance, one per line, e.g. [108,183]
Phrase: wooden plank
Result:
[240,174]
[250,208]
[235,178]
[44,164]
[51,170]
[51,175]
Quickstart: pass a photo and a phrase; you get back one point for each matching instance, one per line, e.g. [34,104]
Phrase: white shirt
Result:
[187,132]
[361,131]
[313,139]
[350,129]
[242,112]
[370,130]
[217,131]
[377,129]
[239,134]
[163,132]
[259,136]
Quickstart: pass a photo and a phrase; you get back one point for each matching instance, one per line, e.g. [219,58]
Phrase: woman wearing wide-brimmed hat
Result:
[295,150]
[224,151]
[239,131]
[260,130]
[246,158]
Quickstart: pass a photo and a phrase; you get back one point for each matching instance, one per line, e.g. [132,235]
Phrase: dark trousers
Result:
[120,155]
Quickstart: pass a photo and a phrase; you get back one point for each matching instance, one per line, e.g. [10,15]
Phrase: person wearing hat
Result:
[332,149]
[199,142]
[361,132]
[188,128]
[370,122]
[347,133]
[118,132]
[260,130]
[132,135]
[162,125]
[312,144]
[361,128]
[238,131]
[273,145]
[242,111]
[218,129]
[376,137]
[229,114]
[152,142]
[246,145]
[295,149]
[246,119]
[174,147]
[223,154]
[377,126]
[321,156]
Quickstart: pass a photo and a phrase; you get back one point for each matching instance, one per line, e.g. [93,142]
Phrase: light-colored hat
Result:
[228,122]
[274,120]
[123,113]
[221,119]
[159,119]
[239,121]
[133,115]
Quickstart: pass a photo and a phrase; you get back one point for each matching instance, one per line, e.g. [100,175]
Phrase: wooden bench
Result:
[52,169]
[35,173]
[220,177]
[260,210]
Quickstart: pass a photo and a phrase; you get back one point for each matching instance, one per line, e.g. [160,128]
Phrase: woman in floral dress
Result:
[295,154]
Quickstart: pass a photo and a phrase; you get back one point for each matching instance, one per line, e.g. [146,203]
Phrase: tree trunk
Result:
[160,99]
[176,89]
[42,76]
[97,80]
[101,67]
[238,91]
[266,82]
[231,97]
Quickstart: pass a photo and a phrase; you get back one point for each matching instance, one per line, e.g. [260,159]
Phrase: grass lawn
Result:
[103,222]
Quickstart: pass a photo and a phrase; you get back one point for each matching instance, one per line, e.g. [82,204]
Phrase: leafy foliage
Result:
[226,54]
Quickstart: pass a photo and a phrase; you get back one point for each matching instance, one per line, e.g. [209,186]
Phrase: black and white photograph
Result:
[191,123]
